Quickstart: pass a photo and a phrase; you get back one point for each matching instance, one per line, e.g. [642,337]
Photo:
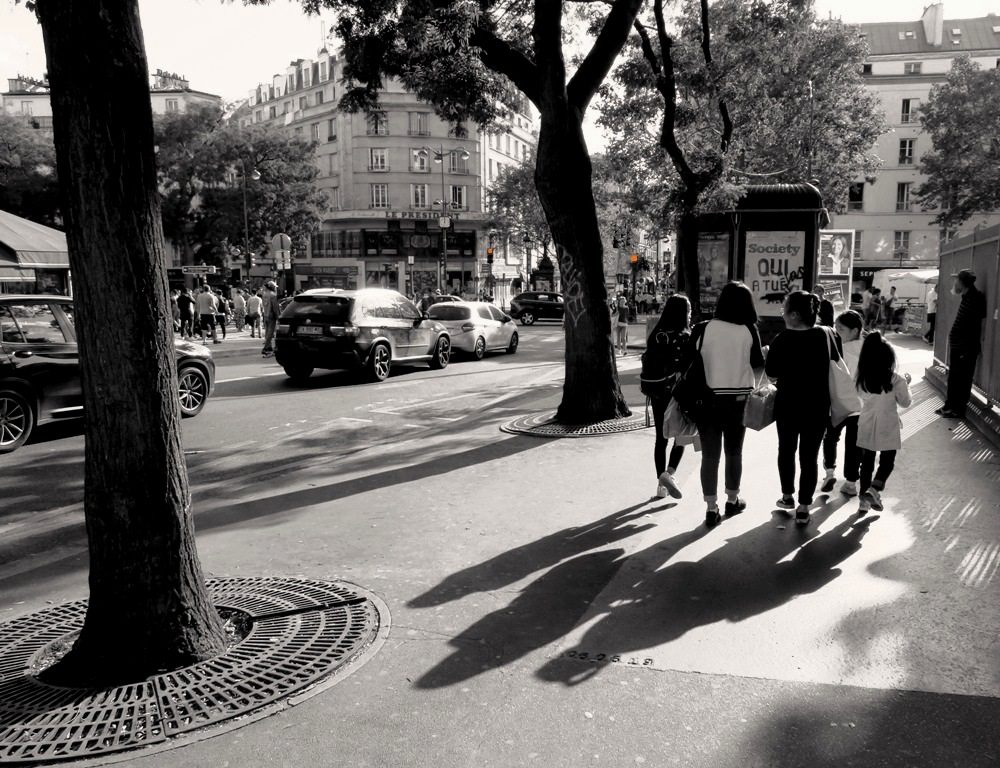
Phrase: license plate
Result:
[310,330]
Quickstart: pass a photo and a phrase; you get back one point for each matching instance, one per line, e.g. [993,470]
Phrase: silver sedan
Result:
[476,327]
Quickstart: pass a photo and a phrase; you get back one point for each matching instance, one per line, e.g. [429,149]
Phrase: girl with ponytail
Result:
[798,362]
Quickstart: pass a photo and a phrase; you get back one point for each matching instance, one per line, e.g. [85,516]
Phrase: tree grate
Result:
[545,425]
[301,633]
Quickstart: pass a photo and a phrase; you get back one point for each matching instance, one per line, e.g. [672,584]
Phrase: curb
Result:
[978,413]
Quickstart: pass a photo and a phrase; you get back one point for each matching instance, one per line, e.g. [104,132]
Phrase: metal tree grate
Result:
[302,632]
[545,425]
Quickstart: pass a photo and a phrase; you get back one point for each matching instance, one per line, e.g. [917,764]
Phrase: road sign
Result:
[198,270]
[281,242]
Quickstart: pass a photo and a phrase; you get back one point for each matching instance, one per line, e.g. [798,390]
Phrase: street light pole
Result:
[444,221]
[246,213]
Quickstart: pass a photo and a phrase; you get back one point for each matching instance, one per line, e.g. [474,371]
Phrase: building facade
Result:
[906,59]
[392,178]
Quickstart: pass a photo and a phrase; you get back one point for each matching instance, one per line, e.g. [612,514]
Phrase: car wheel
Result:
[442,354]
[512,347]
[379,362]
[192,385]
[298,373]
[480,349]
[527,318]
[16,420]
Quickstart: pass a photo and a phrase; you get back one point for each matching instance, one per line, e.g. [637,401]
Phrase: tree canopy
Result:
[962,117]
[29,186]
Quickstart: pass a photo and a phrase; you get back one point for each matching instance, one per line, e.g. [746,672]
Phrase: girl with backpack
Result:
[798,362]
[882,392]
[729,345]
[667,355]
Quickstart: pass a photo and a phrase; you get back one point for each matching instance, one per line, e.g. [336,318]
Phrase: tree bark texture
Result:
[149,608]
[688,269]
[591,389]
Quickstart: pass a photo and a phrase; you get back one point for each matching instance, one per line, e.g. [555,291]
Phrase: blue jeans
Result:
[724,426]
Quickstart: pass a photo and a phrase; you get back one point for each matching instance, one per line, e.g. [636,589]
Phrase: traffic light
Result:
[489,255]
[253,261]
[635,259]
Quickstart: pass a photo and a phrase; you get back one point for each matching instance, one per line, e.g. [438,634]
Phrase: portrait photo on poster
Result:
[835,251]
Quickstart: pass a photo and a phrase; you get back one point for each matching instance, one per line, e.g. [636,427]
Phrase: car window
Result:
[38,323]
[449,311]
[388,307]
[496,313]
[331,309]
[68,311]
[542,297]
[484,313]
[406,308]
[9,331]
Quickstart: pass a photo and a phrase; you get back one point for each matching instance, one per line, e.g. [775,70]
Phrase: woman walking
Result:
[849,327]
[798,361]
[882,391]
[730,349]
[621,313]
[669,345]
[239,310]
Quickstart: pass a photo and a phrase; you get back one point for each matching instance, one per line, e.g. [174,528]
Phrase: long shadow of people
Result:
[745,577]
[518,563]
[543,612]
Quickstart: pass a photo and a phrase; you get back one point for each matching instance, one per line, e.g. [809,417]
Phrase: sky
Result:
[226,48]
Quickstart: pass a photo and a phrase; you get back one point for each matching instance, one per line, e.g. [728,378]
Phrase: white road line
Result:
[348,418]
[248,378]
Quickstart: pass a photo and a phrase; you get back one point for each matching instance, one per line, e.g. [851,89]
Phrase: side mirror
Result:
[508,319]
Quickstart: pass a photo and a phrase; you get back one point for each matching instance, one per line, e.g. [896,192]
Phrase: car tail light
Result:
[468,327]
[342,330]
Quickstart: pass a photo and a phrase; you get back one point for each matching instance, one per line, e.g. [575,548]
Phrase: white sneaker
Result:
[661,491]
[849,488]
[673,489]
[864,507]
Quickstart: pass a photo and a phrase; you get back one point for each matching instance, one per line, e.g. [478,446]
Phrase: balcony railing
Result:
[378,168]
[459,170]
[418,132]
[855,205]
[415,169]
[380,206]
[902,206]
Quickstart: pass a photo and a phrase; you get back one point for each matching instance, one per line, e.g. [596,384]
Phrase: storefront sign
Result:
[419,215]
[314,270]
[775,266]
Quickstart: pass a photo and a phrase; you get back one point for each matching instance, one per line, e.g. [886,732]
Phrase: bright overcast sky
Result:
[226,48]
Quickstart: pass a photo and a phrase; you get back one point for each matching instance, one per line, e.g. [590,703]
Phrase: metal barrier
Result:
[980,252]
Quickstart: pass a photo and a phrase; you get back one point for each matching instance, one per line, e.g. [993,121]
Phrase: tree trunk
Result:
[149,608]
[688,271]
[591,390]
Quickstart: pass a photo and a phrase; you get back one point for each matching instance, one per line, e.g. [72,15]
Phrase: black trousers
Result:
[852,454]
[931,322]
[886,463]
[803,435]
[659,406]
[961,370]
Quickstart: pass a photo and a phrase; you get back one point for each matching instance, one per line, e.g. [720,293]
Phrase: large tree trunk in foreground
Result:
[149,609]
[591,390]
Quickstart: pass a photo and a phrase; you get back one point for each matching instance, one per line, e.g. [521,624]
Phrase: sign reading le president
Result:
[775,266]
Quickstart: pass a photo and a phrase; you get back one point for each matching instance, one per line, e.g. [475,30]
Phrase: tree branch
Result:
[500,56]
[706,47]
[595,67]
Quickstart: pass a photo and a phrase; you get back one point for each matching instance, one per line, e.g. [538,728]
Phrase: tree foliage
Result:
[29,186]
[962,116]
[201,162]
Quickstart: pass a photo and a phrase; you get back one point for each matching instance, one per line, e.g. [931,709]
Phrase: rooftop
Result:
[908,37]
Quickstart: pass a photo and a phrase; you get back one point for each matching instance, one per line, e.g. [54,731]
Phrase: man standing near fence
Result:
[965,341]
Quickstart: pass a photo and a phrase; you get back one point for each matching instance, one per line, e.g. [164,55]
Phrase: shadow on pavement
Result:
[743,578]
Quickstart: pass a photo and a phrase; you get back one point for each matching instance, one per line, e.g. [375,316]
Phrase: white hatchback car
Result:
[476,327]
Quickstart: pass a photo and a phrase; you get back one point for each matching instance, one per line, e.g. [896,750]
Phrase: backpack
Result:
[664,359]
[692,393]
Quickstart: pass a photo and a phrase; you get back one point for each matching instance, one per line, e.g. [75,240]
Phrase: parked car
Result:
[537,305]
[40,368]
[370,329]
[446,299]
[476,327]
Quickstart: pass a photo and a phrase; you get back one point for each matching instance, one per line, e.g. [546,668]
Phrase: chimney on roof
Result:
[933,20]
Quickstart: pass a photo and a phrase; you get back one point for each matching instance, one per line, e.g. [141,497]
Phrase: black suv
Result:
[40,367]
[537,305]
[370,329]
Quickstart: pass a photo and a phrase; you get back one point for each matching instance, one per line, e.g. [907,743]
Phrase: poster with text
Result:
[713,268]
[775,266]
[835,257]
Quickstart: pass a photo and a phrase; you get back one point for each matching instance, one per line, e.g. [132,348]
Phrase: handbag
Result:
[844,398]
[678,426]
[759,412]
[692,392]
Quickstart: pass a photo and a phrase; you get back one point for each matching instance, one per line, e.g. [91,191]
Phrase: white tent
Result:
[926,276]
[912,285]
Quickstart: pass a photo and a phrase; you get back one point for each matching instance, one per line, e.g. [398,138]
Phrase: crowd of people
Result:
[205,312]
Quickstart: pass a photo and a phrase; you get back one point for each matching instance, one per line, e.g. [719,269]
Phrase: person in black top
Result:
[965,340]
[669,341]
[825,307]
[798,362]
[185,304]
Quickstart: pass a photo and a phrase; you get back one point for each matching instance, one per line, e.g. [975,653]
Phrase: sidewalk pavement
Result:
[546,610]
[236,344]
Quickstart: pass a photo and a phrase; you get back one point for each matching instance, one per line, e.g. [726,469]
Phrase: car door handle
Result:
[24,353]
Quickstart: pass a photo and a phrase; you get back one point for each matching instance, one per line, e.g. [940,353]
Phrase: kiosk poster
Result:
[775,266]
[713,267]
[836,264]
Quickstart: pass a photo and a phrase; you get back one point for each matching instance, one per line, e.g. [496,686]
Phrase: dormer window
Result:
[996,30]
[956,31]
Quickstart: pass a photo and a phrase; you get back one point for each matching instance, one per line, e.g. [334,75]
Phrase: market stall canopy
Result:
[926,276]
[25,245]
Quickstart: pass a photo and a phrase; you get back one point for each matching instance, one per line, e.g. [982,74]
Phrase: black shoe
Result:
[734,508]
[712,517]
[802,515]
[949,414]
[828,484]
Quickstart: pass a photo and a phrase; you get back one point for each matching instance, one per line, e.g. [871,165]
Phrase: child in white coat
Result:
[882,392]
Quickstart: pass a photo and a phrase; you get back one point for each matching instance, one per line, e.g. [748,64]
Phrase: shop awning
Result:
[30,245]
[16,275]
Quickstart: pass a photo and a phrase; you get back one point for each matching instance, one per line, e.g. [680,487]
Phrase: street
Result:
[544,608]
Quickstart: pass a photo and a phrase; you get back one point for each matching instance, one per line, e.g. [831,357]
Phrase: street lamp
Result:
[255,175]
[444,222]
[527,261]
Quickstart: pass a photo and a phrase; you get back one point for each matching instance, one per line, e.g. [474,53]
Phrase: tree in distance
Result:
[962,117]
[29,187]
